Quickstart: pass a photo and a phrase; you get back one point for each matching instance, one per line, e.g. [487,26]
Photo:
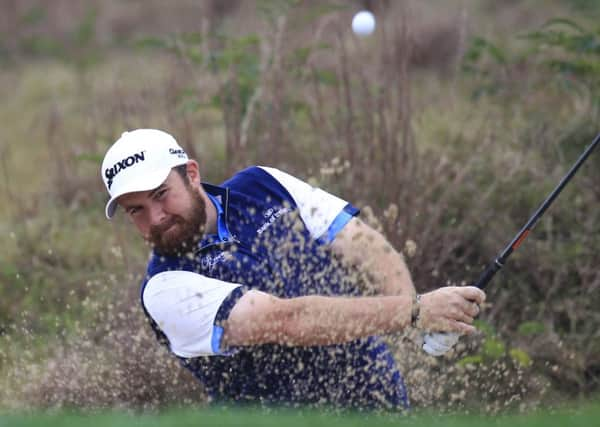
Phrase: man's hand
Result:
[450,309]
[438,343]
[445,314]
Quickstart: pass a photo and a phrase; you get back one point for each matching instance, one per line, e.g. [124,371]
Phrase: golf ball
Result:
[363,23]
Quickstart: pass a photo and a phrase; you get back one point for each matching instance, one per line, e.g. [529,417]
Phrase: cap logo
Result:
[111,172]
[180,153]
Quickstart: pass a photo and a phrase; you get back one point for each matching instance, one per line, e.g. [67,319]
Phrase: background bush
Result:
[447,127]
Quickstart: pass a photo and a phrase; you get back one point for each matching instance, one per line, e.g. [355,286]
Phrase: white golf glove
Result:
[438,343]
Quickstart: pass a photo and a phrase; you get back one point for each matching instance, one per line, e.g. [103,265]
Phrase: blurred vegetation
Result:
[448,127]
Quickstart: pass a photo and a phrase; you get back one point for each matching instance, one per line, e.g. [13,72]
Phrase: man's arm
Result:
[260,318]
[362,246]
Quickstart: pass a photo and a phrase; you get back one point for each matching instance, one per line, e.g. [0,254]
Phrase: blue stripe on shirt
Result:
[215,342]
[338,223]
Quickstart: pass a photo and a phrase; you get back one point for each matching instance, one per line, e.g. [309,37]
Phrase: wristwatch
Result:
[416,310]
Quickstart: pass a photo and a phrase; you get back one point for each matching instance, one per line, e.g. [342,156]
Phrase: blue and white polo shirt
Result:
[273,235]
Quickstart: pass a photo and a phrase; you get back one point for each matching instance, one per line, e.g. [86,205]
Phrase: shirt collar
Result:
[219,197]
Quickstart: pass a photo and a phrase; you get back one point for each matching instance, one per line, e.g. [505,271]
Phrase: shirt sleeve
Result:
[185,305]
[323,214]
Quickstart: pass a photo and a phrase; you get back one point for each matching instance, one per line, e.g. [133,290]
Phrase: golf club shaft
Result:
[498,263]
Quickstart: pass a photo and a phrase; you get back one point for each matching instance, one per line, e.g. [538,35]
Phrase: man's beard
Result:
[189,229]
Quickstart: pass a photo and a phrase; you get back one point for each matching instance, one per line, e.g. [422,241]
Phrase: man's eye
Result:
[133,211]
[161,193]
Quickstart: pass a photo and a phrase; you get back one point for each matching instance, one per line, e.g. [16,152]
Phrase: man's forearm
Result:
[314,320]
[320,320]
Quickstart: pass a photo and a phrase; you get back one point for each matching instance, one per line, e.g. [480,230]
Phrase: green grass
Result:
[227,417]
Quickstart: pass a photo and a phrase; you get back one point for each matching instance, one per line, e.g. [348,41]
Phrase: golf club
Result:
[498,263]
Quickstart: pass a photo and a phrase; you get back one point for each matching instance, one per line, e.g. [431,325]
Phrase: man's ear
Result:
[193,172]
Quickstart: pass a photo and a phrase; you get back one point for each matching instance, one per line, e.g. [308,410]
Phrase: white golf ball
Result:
[363,23]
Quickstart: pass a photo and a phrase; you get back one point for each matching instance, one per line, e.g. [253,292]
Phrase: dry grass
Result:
[387,122]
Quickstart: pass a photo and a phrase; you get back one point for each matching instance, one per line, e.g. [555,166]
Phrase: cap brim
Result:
[144,184]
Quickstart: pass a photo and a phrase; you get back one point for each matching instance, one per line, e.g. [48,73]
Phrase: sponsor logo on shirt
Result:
[209,262]
[271,215]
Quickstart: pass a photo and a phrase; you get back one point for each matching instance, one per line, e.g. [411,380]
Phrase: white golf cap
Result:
[139,160]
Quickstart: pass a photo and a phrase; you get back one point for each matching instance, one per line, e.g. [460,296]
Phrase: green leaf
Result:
[190,106]
[299,107]
[152,43]
[493,348]
[42,46]
[326,77]
[484,327]
[216,101]
[520,356]
[324,46]
[192,38]
[301,54]
[530,328]
[470,360]
[480,46]
[321,9]
[565,22]
[85,32]
[194,55]
[577,68]
[9,270]
[34,16]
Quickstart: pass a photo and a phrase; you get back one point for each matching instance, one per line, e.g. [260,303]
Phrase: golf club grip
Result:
[487,275]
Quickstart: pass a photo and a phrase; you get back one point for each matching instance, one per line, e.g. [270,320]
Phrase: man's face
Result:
[171,218]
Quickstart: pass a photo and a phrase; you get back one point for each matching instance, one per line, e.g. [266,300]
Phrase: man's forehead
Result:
[134,197]
[138,196]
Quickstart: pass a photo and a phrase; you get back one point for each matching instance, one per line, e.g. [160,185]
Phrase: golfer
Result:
[269,290]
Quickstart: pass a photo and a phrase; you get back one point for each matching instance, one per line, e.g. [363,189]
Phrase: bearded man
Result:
[257,285]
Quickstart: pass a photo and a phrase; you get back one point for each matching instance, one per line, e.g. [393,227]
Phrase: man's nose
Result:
[157,214]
